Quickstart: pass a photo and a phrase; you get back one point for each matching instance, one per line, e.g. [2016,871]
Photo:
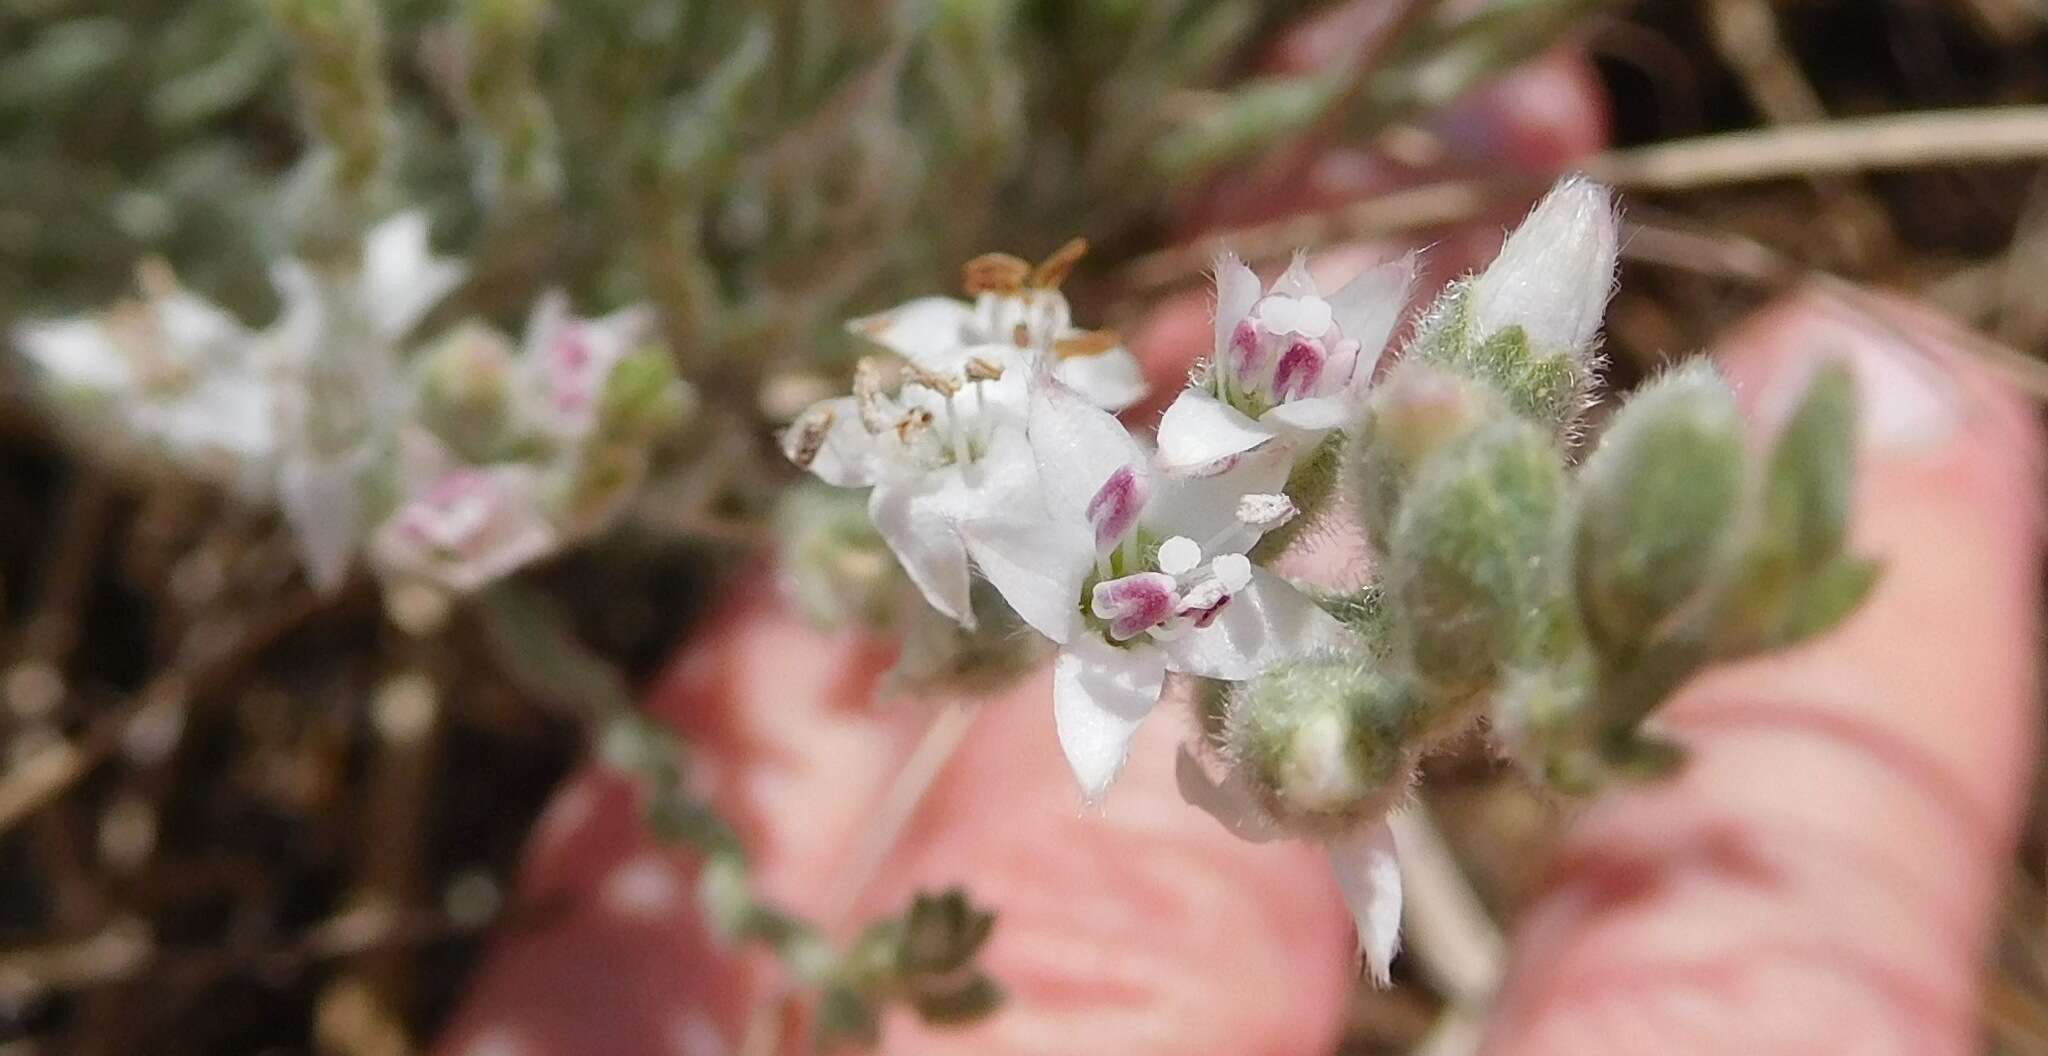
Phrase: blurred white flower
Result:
[567,360]
[1288,366]
[457,526]
[170,375]
[334,353]
[1134,574]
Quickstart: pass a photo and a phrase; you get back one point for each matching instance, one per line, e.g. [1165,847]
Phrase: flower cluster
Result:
[1563,604]
[454,467]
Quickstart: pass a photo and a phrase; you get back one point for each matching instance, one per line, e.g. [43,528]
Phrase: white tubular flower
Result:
[1363,858]
[1555,273]
[1289,365]
[168,376]
[567,360]
[335,352]
[942,448]
[1134,574]
[1017,307]
[461,527]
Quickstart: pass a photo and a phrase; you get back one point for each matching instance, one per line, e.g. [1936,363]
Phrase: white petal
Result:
[1110,380]
[1267,622]
[1179,555]
[1038,566]
[1200,431]
[401,277]
[917,520]
[1229,801]
[1317,414]
[194,326]
[1237,290]
[1100,694]
[1555,273]
[76,354]
[1368,307]
[1205,507]
[1296,280]
[1078,447]
[927,331]
[321,500]
[1370,877]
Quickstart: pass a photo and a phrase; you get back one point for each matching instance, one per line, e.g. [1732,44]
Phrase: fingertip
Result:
[1821,873]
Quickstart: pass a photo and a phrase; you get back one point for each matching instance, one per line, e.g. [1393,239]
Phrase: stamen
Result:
[1265,512]
[1056,268]
[1179,555]
[807,436]
[998,273]
[1134,603]
[1299,371]
[979,369]
[936,382]
[1234,571]
[1086,343]
[1247,355]
[1114,509]
[867,394]
[915,421]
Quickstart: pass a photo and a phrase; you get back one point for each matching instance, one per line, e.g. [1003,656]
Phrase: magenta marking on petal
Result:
[1114,509]
[1247,353]
[1343,362]
[1205,616]
[1134,604]
[1300,370]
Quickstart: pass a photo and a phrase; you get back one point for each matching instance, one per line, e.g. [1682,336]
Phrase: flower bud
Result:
[941,658]
[1418,410]
[1554,274]
[643,398]
[1323,742]
[1795,579]
[835,566]
[465,387]
[1473,556]
[1659,505]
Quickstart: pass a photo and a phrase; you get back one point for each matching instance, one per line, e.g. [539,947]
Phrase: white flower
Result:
[335,352]
[1134,574]
[567,361]
[1014,307]
[1363,858]
[1555,273]
[461,527]
[1288,365]
[172,375]
[944,447]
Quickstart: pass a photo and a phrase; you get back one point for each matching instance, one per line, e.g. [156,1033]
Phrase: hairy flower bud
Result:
[1659,506]
[1418,410]
[1796,579]
[835,566]
[465,389]
[1322,741]
[1555,273]
[1473,554]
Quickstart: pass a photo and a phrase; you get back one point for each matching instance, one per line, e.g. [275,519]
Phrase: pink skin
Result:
[1818,881]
